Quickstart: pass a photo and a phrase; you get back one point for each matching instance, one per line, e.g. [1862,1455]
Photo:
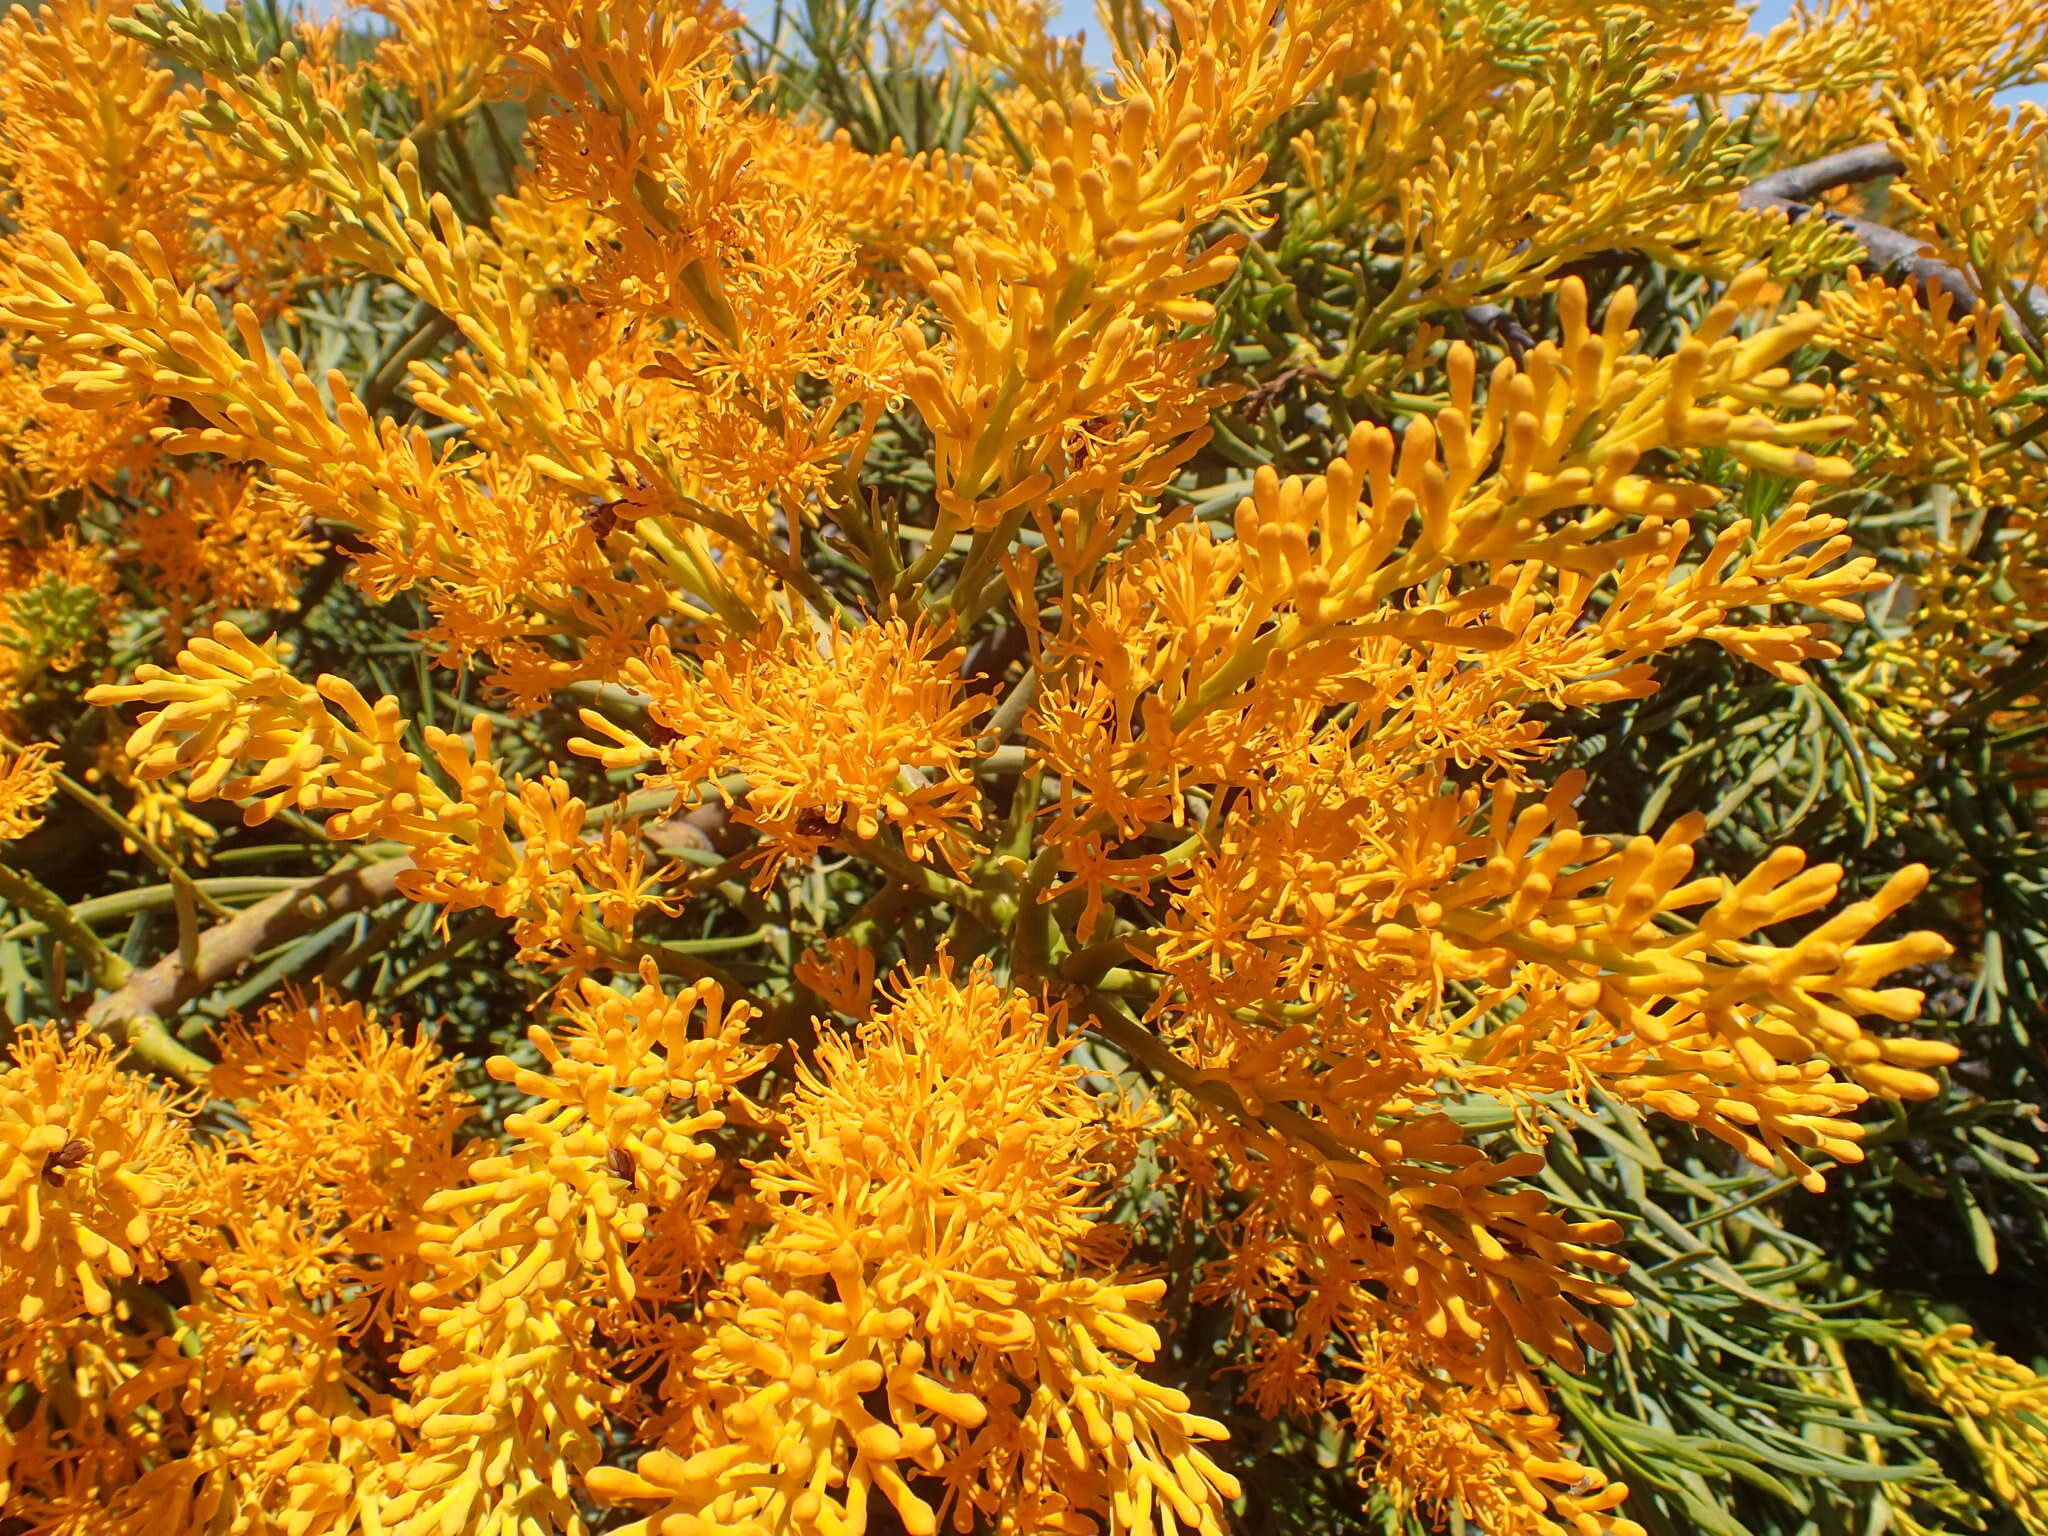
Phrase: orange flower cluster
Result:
[870,730]
[958,581]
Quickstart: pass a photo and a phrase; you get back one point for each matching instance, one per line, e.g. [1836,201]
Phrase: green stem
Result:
[993,911]
[1091,966]
[148,1041]
[30,895]
[422,330]
[1010,713]
[102,811]
[150,897]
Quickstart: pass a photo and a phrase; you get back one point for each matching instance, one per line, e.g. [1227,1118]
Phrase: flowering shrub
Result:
[850,777]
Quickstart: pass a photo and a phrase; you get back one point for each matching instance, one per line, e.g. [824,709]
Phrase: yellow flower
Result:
[861,728]
[352,1128]
[220,540]
[629,1092]
[478,838]
[1996,1404]
[97,1180]
[913,1324]
[1446,1446]
[1284,909]
[508,1389]
[27,780]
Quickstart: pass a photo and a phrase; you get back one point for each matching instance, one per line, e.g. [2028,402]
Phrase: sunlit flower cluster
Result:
[951,735]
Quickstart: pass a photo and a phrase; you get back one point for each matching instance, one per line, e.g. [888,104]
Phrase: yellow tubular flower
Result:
[504,1411]
[26,783]
[1200,637]
[53,448]
[223,540]
[860,728]
[914,1305]
[1697,1016]
[351,1127]
[160,810]
[751,289]
[1061,301]
[1445,1446]
[630,1090]
[96,1181]
[507,1391]
[1013,37]
[1996,1404]
[885,203]
[502,547]
[89,131]
[269,1357]
[1132,590]
[443,51]
[247,730]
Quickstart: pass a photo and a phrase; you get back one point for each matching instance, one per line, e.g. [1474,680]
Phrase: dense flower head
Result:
[347,1128]
[625,1095]
[1451,1447]
[864,728]
[872,774]
[919,1322]
[27,780]
[97,1185]
[1996,1402]
[479,837]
